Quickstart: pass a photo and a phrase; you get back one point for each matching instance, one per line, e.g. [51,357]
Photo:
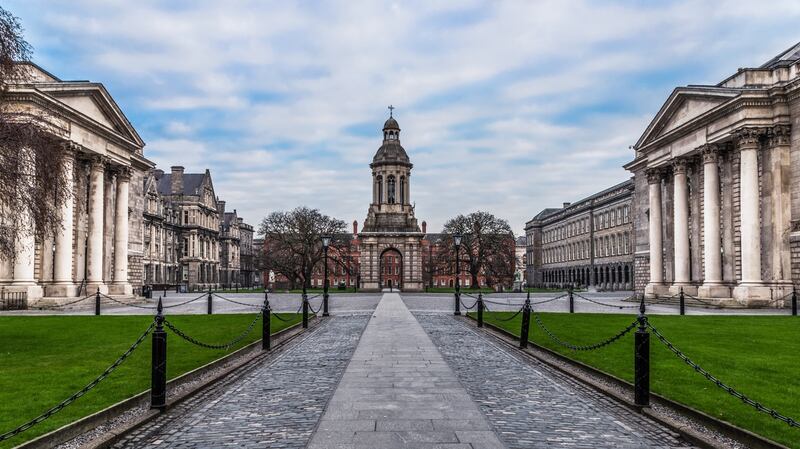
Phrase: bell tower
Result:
[391,235]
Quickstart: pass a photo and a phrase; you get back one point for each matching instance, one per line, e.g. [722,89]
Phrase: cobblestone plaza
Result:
[377,375]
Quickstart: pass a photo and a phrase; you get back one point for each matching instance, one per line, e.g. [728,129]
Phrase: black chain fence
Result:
[617,306]
[63,404]
[599,345]
[237,302]
[713,379]
[224,346]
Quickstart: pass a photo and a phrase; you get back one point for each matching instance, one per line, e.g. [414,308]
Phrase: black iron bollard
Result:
[457,296]
[97,302]
[210,302]
[177,288]
[266,331]
[325,299]
[158,386]
[683,302]
[305,311]
[571,301]
[641,369]
[480,309]
[165,291]
[794,301]
[526,323]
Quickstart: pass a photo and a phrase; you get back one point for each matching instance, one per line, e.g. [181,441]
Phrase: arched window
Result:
[402,190]
[380,188]
[390,186]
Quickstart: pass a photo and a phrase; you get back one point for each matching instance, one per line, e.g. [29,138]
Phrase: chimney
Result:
[355,227]
[220,208]
[424,227]
[158,173]
[177,180]
[566,205]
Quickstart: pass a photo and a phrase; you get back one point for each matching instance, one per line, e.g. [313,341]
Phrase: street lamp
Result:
[457,242]
[326,241]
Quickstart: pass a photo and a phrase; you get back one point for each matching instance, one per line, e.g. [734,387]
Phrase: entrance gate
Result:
[391,269]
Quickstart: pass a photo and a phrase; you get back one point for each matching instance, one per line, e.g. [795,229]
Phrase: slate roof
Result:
[391,152]
[191,183]
[786,58]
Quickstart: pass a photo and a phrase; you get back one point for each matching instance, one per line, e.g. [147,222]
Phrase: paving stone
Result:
[274,405]
[399,379]
[531,405]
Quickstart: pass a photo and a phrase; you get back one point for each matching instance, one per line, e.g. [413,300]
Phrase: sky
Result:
[505,106]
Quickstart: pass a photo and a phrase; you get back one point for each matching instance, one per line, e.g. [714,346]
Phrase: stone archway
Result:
[391,269]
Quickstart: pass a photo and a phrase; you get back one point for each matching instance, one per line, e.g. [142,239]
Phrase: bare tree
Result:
[293,242]
[33,185]
[487,247]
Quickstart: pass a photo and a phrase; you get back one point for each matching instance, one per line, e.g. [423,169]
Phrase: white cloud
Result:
[507,106]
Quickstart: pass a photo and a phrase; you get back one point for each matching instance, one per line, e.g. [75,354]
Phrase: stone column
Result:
[63,284]
[25,243]
[680,226]
[780,169]
[95,244]
[751,287]
[712,283]
[655,286]
[120,284]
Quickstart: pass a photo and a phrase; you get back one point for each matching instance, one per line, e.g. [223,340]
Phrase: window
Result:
[380,189]
[390,189]
[186,217]
[402,190]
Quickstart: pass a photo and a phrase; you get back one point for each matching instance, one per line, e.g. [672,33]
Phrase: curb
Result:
[74,429]
[750,439]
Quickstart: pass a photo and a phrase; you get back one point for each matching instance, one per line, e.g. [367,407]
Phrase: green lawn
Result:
[757,355]
[45,359]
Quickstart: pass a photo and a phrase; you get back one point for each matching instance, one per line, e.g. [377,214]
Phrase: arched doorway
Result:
[391,269]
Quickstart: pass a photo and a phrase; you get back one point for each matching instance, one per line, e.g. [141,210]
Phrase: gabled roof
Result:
[90,100]
[684,105]
[191,183]
[786,58]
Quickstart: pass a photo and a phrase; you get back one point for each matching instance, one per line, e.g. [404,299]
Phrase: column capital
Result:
[654,175]
[123,172]
[97,162]
[679,166]
[779,135]
[749,137]
[710,153]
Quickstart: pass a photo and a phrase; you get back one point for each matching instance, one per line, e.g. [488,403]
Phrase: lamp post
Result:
[326,240]
[457,242]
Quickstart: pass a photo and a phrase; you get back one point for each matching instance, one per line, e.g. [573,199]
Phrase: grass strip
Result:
[757,355]
[44,359]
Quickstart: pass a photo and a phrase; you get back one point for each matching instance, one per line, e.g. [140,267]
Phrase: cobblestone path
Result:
[398,392]
[276,404]
[534,406]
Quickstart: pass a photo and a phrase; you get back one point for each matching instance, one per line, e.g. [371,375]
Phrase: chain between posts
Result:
[713,379]
[599,345]
[224,346]
[63,404]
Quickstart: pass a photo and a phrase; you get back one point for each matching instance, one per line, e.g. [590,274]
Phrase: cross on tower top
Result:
[391,110]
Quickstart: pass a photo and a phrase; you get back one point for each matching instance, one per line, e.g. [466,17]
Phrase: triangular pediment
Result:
[683,106]
[93,101]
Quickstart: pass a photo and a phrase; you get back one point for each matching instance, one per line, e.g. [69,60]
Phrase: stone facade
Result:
[588,243]
[717,188]
[391,240]
[99,247]
[189,238]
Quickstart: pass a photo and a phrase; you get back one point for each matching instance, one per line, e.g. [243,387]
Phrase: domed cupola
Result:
[391,152]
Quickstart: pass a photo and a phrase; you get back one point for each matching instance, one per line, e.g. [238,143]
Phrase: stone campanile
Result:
[391,237]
